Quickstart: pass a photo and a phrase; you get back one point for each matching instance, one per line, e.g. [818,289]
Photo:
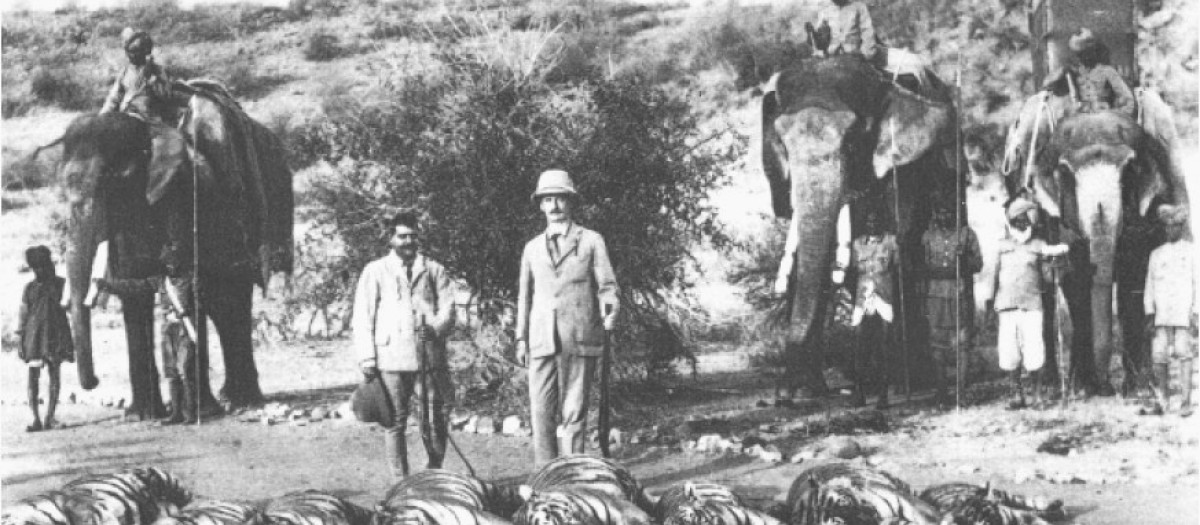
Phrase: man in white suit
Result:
[567,300]
[402,300]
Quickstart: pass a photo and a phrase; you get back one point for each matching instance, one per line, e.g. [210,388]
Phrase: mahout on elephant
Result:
[222,176]
[837,132]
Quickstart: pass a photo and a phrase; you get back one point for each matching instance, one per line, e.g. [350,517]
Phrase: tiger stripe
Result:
[455,488]
[214,512]
[592,473]
[312,507]
[707,504]
[579,505]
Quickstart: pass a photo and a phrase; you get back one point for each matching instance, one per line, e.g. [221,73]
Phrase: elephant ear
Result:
[774,156]
[169,154]
[909,127]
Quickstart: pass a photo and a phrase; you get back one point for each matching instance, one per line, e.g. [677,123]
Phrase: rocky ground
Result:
[1109,465]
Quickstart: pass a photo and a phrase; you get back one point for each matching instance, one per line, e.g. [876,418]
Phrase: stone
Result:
[459,419]
[1024,475]
[472,425]
[71,398]
[120,402]
[319,413]
[616,436]
[511,426]
[806,453]
[344,411]
[486,426]
[708,443]
[635,439]
[771,454]
[299,422]
[754,451]
[842,447]
[265,420]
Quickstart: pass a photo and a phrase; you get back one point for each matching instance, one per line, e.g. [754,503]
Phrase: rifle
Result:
[605,401]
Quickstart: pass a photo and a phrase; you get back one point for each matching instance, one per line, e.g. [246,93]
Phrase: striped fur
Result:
[131,497]
[948,494]
[420,511]
[579,505]
[707,504]
[827,489]
[313,507]
[984,512]
[452,487]
[592,473]
[214,512]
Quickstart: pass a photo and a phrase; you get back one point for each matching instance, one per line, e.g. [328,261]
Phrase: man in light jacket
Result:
[568,299]
[395,294]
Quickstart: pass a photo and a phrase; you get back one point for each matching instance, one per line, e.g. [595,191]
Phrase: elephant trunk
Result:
[816,159]
[87,228]
[1098,193]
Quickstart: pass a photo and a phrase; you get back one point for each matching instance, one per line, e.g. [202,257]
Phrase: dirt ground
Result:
[1125,469]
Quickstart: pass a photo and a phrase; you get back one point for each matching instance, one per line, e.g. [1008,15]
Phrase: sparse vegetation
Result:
[322,47]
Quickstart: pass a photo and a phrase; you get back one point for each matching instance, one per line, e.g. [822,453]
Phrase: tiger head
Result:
[548,508]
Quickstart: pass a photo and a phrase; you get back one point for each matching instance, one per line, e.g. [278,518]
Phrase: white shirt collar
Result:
[558,228]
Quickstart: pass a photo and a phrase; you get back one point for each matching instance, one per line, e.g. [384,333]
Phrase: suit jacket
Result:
[387,308]
[565,296]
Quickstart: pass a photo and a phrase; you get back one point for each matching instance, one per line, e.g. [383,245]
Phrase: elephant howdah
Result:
[834,128]
[143,206]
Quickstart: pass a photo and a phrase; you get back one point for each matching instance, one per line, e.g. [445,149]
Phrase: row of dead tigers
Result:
[573,490]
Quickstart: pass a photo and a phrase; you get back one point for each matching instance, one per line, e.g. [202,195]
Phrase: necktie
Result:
[554,252]
[408,270]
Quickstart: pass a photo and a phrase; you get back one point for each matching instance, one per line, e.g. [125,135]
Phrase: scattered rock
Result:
[299,421]
[320,413]
[511,426]
[842,447]
[806,453]
[771,454]
[486,426]
[71,398]
[616,436]
[266,420]
[459,419]
[472,424]
[635,439]
[344,411]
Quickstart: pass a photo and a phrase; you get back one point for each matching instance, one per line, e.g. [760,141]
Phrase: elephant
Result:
[837,132]
[142,204]
[1098,178]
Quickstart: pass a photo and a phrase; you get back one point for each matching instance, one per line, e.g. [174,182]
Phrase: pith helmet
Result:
[554,182]
[1082,40]
[1172,214]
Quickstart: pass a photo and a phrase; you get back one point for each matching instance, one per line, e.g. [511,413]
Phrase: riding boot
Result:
[397,451]
[1035,378]
[34,374]
[1162,376]
[1019,399]
[1185,381]
[176,390]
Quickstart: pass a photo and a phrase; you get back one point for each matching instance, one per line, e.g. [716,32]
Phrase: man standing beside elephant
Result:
[567,302]
[403,310]
[845,27]
[1172,303]
[953,258]
[874,259]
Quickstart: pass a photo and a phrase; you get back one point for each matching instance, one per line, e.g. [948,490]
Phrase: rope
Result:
[201,342]
[900,258]
[1027,175]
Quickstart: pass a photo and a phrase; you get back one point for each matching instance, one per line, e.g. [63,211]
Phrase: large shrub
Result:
[466,147]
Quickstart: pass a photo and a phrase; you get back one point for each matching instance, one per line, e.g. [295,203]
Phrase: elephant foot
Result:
[242,399]
[143,413]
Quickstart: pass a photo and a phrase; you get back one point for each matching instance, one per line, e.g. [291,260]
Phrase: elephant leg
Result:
[1102,340]
[229,303]
[1134,356]
[143,372]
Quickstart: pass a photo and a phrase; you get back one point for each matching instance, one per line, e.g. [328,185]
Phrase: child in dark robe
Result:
[44,331]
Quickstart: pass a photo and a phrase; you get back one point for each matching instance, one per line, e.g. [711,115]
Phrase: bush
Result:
[59,87]
[321,47]
[466,148]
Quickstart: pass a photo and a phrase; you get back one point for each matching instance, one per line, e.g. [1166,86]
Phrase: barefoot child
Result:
[44,332]
[1018,300]
[1171,307]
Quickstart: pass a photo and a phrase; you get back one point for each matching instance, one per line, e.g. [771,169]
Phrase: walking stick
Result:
[605,402]
[958,206]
